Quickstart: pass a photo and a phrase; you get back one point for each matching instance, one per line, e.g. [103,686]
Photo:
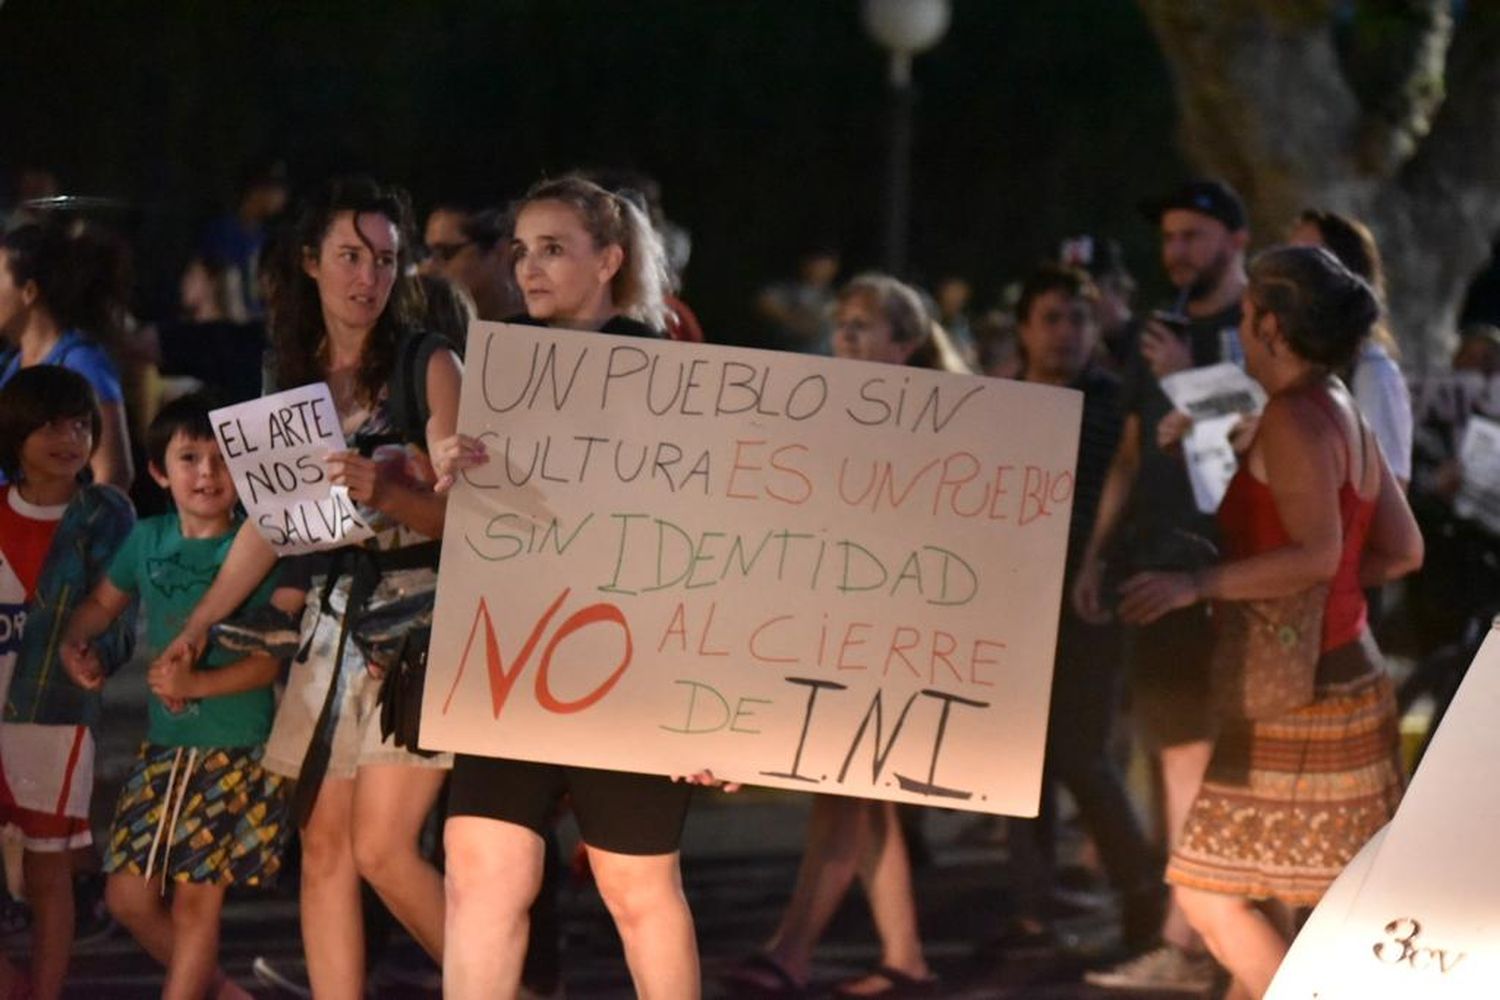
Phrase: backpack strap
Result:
[407,388]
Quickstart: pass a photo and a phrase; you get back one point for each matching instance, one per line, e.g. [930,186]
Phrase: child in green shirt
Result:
[197,810]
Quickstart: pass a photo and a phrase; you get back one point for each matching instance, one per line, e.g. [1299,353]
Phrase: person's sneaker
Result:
[287,977]
[261,629]
[1167,969]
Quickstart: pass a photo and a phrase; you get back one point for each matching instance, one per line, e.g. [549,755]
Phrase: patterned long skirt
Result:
[1288,802]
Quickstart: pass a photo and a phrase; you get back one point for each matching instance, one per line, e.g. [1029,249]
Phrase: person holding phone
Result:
[1146,492]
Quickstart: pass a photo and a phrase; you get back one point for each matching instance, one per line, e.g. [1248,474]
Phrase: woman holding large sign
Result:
[1305,768]
[585,259]
[345,312]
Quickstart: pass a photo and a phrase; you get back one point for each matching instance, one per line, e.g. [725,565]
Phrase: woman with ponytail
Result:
[585,259]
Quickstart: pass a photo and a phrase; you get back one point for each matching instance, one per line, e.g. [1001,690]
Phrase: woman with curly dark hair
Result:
[345,311]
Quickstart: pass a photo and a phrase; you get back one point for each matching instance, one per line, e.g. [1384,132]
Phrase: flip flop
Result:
[902,986]
[761,976]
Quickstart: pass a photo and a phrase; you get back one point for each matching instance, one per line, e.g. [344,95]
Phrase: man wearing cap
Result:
[1147,519]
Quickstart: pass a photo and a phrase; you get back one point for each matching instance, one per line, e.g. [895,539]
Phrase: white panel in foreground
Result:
[1417,914]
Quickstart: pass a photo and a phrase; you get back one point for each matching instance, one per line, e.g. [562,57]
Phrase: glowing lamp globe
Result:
[905,28]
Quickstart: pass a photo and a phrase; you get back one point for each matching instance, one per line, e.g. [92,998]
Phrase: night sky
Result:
[764,120]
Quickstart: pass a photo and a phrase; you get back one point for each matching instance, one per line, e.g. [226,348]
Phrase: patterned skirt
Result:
[210,815]
[1288,802]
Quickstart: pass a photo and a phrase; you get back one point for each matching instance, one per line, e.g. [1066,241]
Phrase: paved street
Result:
[739,862]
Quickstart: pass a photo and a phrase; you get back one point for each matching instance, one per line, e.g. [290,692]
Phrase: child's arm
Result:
[90,619]
[170,680]
[249,559]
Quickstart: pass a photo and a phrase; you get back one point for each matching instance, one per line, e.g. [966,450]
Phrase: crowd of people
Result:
[266,673]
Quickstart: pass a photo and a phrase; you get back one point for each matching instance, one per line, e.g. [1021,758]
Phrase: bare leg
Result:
[195,946]
[142,910]
[391,801]
[644,895]
[333,934]
[1238,935]
[886,874]
[836,831]
[49,888]
[494,871]
[139,906]
[1182,769]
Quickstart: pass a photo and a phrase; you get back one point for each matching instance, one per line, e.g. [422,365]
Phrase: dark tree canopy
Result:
[1385,109]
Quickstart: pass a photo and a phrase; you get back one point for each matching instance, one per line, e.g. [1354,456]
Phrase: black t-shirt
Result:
[1163,517]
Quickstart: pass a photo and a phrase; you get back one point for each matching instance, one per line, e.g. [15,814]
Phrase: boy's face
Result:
[59,449]
[196,477]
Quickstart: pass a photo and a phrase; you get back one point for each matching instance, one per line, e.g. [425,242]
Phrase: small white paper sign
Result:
[1210,459]
[1215,396]
[1479,497]
[275,448]
[810,573]
[1418,915]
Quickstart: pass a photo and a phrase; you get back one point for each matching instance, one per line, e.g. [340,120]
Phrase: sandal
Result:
[900,986]
[761,977]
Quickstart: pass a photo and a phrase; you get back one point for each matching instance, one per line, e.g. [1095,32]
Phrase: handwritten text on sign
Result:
[275,447]
[803,572]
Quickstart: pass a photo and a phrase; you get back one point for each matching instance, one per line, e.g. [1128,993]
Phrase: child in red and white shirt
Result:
[56,536]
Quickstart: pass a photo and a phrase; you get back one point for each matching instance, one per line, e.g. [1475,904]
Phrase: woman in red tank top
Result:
[1287,802]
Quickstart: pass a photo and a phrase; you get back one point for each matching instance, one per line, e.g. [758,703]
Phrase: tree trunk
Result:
[1387,112]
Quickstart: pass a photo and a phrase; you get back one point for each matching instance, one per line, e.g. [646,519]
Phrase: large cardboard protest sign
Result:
[1417,914]
[815,574]
[275,447]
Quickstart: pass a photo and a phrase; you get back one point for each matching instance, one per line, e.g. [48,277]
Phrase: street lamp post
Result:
[905,28]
